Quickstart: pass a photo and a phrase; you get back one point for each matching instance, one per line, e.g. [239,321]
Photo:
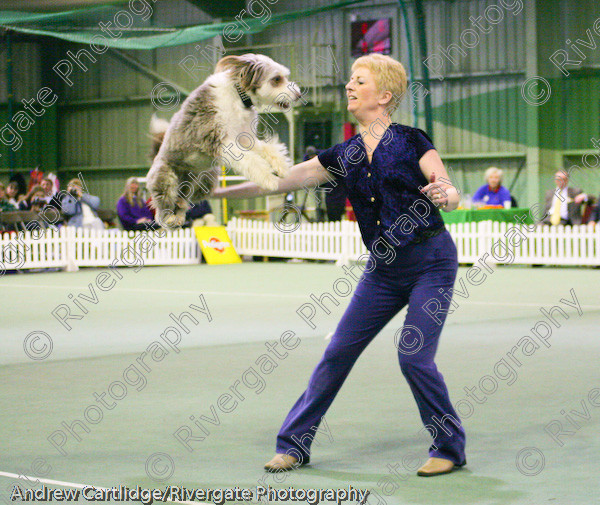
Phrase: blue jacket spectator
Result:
[492,193]
[80,208]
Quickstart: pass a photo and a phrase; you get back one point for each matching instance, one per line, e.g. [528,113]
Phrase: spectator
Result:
[492,193]
[13,195]
[80,208]
[595,216]
[133,212]
[5,205]
[34,200]
[48,187]
[21,185]
[563,204]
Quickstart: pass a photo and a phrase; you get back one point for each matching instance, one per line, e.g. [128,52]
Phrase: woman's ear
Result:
[386,98]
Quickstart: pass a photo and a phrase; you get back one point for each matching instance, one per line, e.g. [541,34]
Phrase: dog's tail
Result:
[158,128]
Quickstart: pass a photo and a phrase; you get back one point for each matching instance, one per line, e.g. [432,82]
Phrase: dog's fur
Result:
[214,128]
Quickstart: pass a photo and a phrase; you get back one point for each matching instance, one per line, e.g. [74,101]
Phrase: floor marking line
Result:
[278,295]
[145,290]
[74,485]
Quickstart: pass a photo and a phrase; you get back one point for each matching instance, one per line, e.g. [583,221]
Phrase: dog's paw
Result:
[270,182]
[280,170]
[276,155]
[170,220]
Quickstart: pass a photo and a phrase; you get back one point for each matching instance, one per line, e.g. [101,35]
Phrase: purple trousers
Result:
[419,276]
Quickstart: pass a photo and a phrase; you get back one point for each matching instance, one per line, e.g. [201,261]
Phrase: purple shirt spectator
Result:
[129,214]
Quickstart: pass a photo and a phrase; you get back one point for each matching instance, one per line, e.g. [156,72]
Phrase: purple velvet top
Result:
[129,214]
[385,194]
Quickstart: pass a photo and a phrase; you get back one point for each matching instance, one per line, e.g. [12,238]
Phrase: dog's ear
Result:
[233,63]
[247,69]
[253,75]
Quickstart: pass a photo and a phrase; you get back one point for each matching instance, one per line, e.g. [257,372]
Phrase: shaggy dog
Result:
[217,125]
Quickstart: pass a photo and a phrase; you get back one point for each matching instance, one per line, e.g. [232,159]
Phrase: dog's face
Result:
[264,80]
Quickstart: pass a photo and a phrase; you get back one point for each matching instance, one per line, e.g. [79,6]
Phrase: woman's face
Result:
[494,181]
[133,187]
[11,191]
[362,92]
[47,186]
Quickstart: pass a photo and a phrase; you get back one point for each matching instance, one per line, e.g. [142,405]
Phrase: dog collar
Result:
[244,97]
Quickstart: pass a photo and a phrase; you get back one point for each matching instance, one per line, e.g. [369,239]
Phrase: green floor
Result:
[372,426]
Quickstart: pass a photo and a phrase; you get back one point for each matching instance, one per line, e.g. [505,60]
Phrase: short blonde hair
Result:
[389,75]
[493,171]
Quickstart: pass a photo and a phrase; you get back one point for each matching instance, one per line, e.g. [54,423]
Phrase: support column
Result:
[533,111]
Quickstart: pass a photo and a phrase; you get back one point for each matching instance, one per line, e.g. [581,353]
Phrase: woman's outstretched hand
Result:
[436,192]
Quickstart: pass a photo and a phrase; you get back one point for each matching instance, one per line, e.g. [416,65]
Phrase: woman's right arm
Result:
[307,174]
[69,205]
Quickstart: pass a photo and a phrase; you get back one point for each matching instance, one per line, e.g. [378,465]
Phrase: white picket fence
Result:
[70,248]
[341,241]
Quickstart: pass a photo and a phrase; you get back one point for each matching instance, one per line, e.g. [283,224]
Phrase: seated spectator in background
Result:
[133,212]
[492,193]
[4,203]
[34,200]
[595,217]
[563,204]
[13,196]
[48,187]
[80,208]
[19,179]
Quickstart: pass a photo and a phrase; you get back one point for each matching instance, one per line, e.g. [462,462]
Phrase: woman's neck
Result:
[373,124]
[372,129]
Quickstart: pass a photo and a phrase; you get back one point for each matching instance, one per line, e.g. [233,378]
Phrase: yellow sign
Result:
[216,245]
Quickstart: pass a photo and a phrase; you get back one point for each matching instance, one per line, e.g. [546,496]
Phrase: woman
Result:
[133,212]
[13,196]
[5,206]
[492,193]
[80,208]
[386,169]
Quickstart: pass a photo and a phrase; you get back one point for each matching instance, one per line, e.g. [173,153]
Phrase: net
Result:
[130,28]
